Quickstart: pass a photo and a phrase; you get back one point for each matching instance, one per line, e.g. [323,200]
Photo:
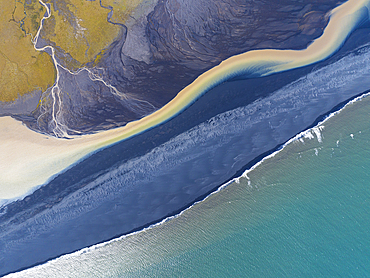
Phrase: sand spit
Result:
[28,159]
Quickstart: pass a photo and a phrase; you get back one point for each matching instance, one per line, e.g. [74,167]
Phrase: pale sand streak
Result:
[29,159]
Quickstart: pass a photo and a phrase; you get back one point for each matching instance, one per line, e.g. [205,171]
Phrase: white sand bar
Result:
[28,159]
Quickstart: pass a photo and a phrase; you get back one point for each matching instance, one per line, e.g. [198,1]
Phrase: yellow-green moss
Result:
[122,9]
[22,68]
[79,27]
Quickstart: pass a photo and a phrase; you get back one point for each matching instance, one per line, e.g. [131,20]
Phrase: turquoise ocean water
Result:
[301,213]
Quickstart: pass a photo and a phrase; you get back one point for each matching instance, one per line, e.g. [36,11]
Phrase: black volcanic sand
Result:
[90,100]
[158,173]
[184,39]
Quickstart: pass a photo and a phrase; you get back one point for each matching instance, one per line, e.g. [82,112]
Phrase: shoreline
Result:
[320,120]
[28,207]
[335,66]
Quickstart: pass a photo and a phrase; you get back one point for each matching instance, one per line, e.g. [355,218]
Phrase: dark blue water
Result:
[303,212]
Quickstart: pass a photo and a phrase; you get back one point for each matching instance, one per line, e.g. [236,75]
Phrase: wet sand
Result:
[29,160]
[162,171]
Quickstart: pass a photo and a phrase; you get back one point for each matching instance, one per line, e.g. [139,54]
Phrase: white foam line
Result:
[301,135]
[219,189]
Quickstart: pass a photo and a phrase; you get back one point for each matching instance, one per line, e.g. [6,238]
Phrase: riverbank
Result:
[54,156]
[160,172]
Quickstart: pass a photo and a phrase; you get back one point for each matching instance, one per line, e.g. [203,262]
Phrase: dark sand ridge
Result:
[158,184]
[167,45]
[31,159]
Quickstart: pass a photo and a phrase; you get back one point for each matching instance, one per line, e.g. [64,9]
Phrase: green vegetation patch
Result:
[22,68]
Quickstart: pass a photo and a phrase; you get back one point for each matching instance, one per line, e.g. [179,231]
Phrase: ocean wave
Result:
[170,177]
[56,265]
